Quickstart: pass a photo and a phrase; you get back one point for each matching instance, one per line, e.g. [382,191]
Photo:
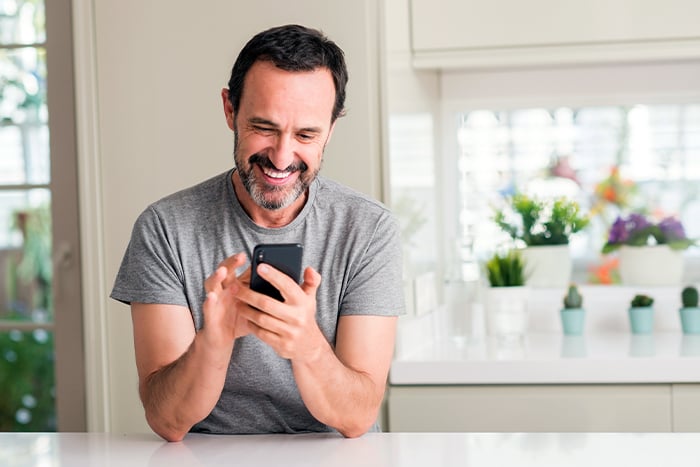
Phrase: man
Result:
[215,356]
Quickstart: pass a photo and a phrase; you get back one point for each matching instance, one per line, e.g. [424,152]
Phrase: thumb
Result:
[210,302]
[312,280]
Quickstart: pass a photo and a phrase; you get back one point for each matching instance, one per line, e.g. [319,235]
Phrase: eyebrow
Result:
[264,121]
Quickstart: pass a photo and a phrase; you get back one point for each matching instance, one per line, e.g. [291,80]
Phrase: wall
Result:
[150,122]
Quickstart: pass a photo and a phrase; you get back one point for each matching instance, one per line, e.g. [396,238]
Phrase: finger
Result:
[245,277]
[278,279]
[214,283]
[262,325]
[211,305]
[312,279]
[232,263]
[211,300]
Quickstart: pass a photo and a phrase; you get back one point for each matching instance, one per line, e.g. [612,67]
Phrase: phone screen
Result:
[283,256]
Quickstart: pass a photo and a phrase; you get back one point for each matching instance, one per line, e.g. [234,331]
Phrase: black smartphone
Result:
[283,256]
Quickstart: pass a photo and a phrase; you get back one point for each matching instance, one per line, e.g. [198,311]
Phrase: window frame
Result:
[68,322]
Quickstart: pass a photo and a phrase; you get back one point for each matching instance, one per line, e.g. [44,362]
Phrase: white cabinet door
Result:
[471,33]
[586,408]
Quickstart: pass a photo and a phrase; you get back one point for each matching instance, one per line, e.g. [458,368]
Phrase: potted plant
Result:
[649,253]
[506,298]
[544,227]
[690,312]
[572,314]
[641,314]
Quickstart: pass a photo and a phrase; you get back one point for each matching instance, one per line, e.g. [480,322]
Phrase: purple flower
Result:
[637,222]
[636,230]
[618,232]
[672,229]
[622,229]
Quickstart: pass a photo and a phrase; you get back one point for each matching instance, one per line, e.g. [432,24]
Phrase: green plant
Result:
[27,401]
[641,301]
[689,297]
[541,222]
[573,298]
[506,270]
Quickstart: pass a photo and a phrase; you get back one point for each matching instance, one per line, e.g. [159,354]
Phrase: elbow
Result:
[166,431]
[360,421]
[357,427]
[353,432]
[170,436]
[168,426]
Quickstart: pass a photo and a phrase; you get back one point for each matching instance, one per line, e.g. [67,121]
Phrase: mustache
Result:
[265,162]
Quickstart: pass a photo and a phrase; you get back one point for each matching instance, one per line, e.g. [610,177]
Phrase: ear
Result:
[228,109]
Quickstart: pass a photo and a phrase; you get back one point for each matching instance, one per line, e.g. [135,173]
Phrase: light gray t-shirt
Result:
[177,242]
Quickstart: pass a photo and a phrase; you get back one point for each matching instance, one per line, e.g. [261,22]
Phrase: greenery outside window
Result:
[27,392]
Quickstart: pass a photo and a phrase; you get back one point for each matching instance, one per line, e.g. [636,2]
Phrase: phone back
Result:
[285,257]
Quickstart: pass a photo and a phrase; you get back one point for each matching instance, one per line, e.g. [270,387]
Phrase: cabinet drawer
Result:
[560,408]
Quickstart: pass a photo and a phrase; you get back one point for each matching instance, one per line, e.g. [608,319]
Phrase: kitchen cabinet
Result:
[545,408]
[686,407]
[502,33]
[549,383]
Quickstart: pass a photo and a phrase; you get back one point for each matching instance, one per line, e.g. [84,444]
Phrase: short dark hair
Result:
[291,48]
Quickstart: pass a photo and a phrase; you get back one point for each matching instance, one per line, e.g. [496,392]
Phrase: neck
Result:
[265,217]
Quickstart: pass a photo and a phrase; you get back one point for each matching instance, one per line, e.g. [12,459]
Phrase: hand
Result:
[221,309]
[288,327]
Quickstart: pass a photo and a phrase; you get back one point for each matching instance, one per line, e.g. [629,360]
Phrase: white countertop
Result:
[552,358]
[374,449]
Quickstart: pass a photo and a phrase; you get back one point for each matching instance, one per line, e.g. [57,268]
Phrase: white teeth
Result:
[275,173]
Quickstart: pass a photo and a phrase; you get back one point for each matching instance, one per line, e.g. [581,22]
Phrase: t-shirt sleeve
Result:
[151,270]
[376,284]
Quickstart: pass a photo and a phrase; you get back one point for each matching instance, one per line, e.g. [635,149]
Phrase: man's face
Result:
[281,128]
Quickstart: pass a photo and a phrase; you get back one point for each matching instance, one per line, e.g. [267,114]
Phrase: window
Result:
[36,323]
[26,358]
[413,187]
[548,131]
[612,160]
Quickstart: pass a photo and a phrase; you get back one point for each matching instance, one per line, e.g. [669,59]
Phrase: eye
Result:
[265,130]
[306,136]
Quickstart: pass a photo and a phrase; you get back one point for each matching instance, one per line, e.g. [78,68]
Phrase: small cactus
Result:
[573,298]
[689,297]
[641,300]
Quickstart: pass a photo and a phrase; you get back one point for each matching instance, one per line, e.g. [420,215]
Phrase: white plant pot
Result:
[547,265]
[653,265]
[506,311]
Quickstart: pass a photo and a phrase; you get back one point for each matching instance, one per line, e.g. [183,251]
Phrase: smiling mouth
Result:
[274,173]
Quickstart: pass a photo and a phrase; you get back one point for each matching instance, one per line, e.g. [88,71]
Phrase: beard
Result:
[271,197]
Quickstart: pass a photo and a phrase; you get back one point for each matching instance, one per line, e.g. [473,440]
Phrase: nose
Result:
[282,154]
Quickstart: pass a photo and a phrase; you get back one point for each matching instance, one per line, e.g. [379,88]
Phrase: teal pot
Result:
[641,319]
[690,320]
[572,321]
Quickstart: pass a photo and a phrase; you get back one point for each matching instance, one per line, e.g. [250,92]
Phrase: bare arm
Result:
[182,373]
[180,376]
[345,388]
[341,387]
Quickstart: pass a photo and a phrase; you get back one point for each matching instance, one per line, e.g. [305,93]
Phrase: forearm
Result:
[178,395]
[341,397]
